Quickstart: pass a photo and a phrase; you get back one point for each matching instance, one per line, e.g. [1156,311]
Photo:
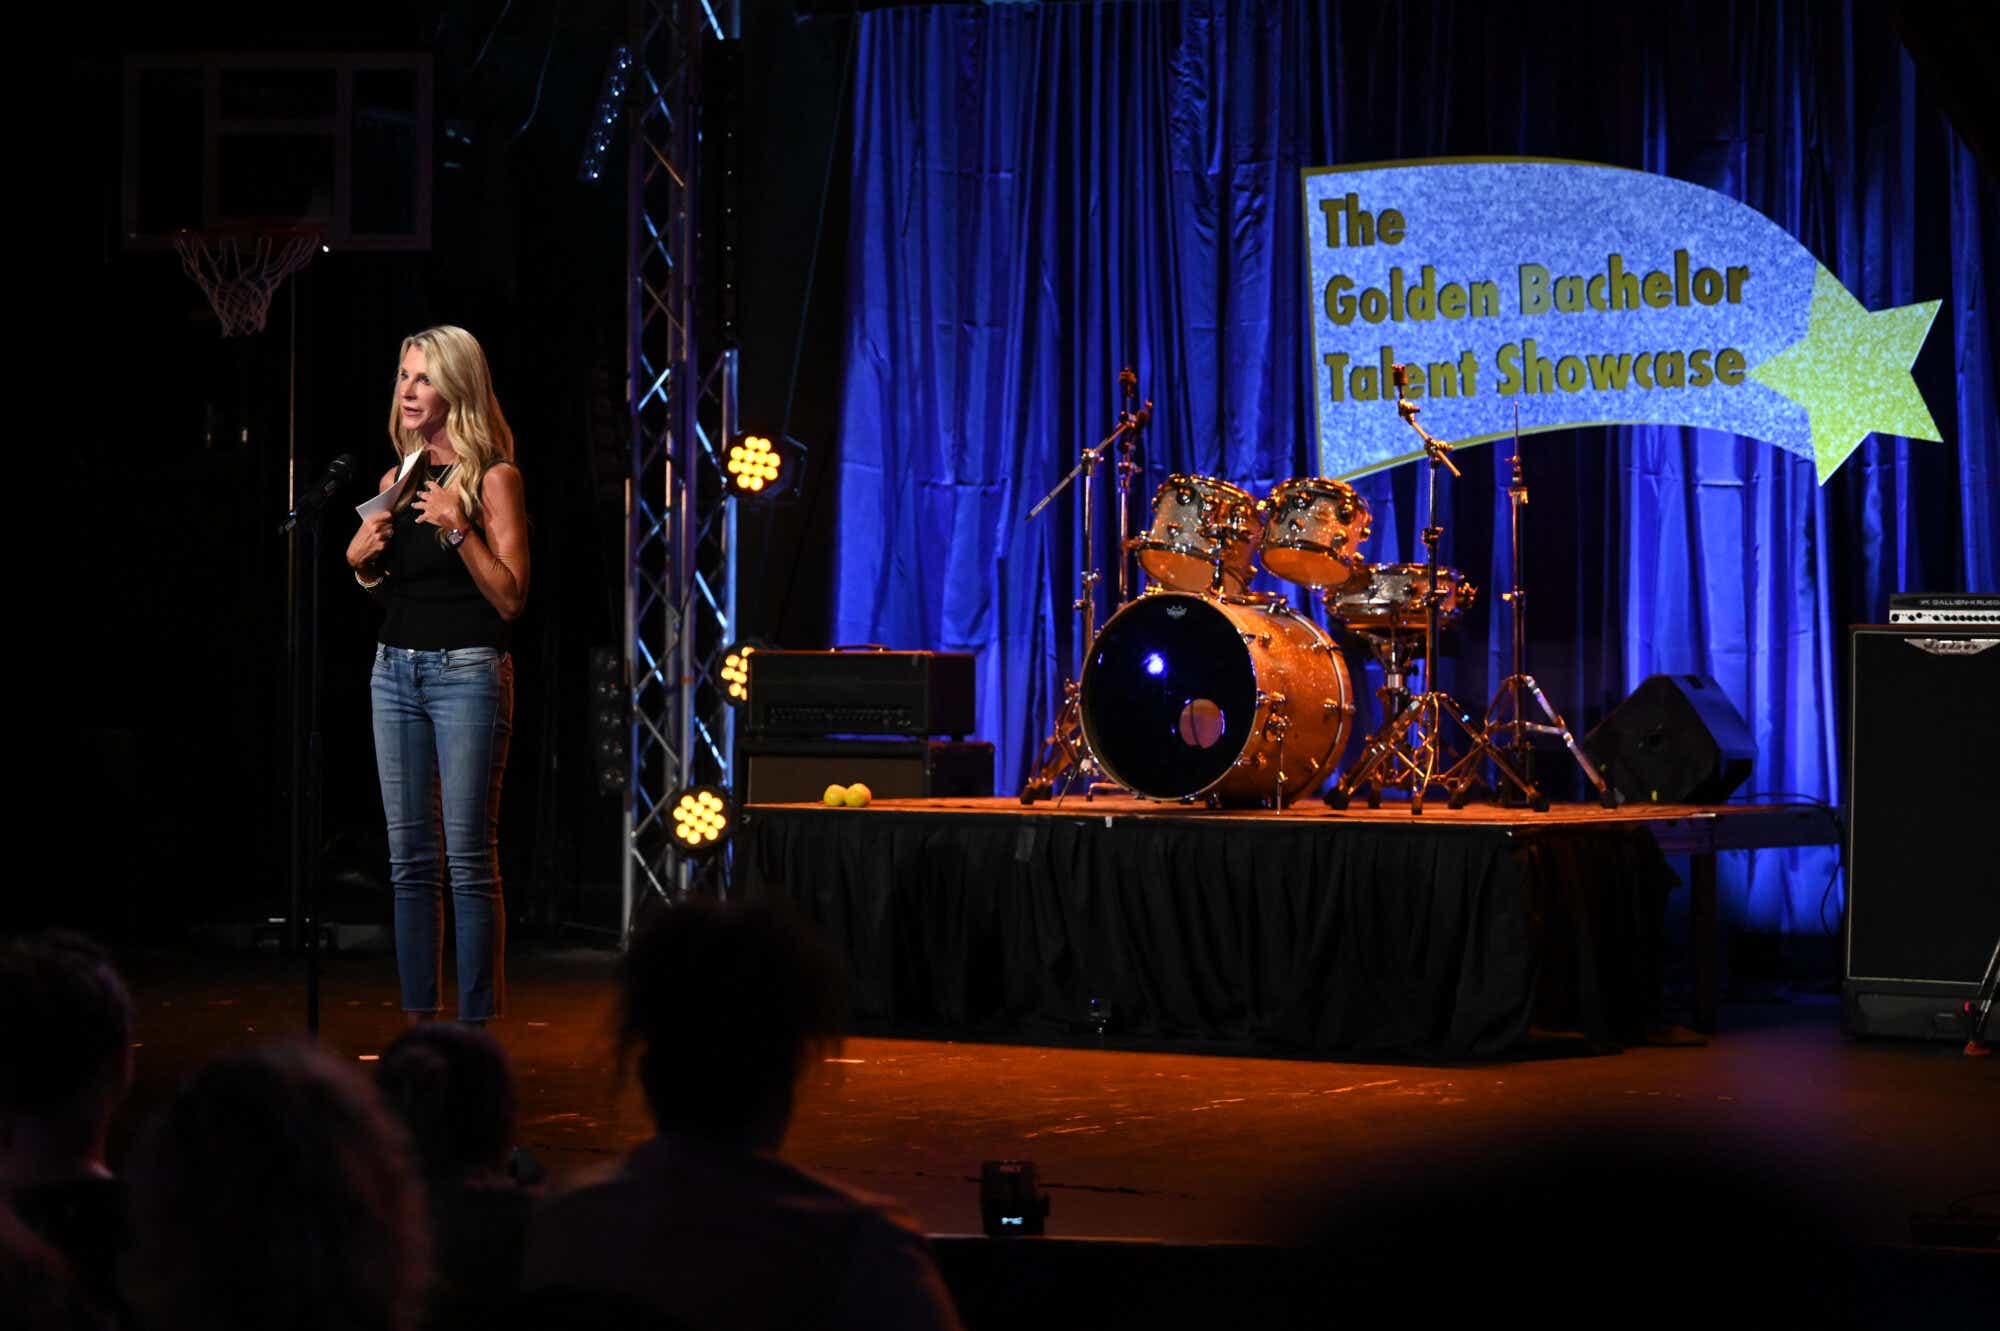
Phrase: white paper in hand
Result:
[406,481]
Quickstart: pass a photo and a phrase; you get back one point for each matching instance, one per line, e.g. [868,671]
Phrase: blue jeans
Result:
[442,722]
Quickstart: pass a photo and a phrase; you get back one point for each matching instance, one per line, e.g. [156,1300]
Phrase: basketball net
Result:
[240,270]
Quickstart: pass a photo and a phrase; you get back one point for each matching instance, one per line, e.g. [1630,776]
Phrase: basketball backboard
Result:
[338,142]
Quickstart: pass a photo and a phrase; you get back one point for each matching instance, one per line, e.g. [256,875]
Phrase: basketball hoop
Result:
[238,268]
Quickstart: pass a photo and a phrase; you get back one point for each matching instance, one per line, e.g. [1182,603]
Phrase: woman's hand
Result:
[369,543]
[439,507]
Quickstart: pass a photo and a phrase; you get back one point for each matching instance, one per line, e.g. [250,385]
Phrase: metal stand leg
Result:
[1507,698]
[1419,761]
[1062,753]
[1979,1010]
[1520,727]
[1065,752]
[1705,939]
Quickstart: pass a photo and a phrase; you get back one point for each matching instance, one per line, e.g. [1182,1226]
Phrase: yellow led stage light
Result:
[735,671]
[703,819]
[762,467]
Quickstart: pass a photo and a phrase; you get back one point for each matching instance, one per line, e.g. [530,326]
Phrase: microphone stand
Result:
[301,527]
[1508,712]
[1064,750]
[1409,750]
[1133,424]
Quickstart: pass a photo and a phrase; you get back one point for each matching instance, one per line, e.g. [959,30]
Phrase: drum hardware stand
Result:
[1131,427]
[1278,725]
[1979,1009]
[1395,660]
[1507,700]
[1064,751]
[1409,749]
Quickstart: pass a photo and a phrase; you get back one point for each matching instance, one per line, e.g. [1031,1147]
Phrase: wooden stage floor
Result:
[1178,1146]
[1761,818]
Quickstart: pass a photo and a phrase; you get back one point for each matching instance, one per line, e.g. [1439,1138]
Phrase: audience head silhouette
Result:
[275,1191]
[724,1007]
[66,1058]
[453,1088]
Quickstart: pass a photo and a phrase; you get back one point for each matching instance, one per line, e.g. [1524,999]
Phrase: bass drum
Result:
[1191,695]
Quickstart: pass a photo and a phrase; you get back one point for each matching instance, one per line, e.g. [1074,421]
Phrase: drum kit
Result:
[1199,689]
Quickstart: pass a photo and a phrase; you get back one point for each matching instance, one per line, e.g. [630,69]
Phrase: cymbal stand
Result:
[1128,389]
[1507,714]
[1979,1008]
[1064,752]
[1410,750]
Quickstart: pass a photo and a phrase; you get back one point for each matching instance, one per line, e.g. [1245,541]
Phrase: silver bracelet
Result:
[367,586]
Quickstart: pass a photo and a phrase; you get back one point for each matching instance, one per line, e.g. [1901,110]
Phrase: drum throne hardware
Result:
[1065,751]
[1383,605]
[1397,653]
[1507,714]
[1409,750]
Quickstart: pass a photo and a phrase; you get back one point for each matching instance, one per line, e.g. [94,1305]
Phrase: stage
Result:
[1192,1175]
[1449,934]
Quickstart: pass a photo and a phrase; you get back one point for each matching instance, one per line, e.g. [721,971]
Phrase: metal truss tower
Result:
[680,538]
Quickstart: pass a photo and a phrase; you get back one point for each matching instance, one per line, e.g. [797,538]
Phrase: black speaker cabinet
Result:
[861,693]
[1677,740]
[1923,825]
[794,771]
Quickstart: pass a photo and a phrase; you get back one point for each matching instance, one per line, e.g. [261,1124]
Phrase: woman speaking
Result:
[450,565]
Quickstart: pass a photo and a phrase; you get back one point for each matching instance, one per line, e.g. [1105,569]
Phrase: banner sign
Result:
[1584,295]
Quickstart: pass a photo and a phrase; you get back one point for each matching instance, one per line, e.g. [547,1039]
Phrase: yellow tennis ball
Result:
[835,796]
[858,795]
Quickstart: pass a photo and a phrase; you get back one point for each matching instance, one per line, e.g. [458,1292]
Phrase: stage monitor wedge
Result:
[1677,740]
[1923,881]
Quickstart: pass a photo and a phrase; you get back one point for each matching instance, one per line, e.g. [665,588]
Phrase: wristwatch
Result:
[455,537]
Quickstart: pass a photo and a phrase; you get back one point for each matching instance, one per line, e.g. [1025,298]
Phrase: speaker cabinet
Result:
[1677,740]
[796,771]
[811,694]
[1923,879]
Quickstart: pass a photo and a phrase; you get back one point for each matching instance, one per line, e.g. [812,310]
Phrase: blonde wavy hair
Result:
[473,422]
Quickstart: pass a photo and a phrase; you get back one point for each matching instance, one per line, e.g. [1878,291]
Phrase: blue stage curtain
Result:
[1045,193]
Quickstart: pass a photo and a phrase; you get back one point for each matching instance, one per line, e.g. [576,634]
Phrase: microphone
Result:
[330,482]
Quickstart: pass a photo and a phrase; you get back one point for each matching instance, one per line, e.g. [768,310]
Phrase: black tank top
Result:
[434,605]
